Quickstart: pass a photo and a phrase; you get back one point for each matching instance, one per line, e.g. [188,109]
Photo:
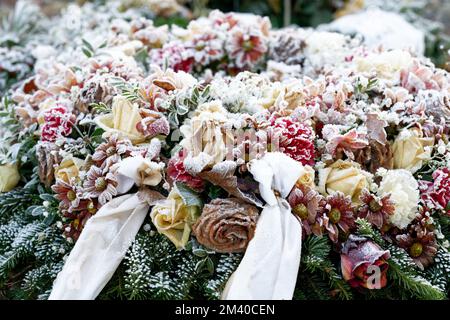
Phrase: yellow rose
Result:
[69,168]
[174,219]
[343,176]
[9,177]
[123,120]
[411,149]
[204,132]
[306,178]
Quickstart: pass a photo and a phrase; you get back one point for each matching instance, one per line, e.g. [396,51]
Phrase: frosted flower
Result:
[204,134]
[375,209]
[111,151]
[304,202]
[58,122]
[404,191]
[335,217]
[411,149]
[246,47]
[101,186]
[296,139]
[206,48]
[386,65]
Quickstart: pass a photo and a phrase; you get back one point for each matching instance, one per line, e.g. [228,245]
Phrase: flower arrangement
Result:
[178,116]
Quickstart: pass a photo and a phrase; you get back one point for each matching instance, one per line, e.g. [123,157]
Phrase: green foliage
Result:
[151,269]
[154,269]
[128,91]
[318,277]
[189,196]
[404,273]
[89,50]
[179,107]
[39,280]
[439,272]
[100,108]
[31,246]
[365,229]
[20,24]
[16,202]
[225,267]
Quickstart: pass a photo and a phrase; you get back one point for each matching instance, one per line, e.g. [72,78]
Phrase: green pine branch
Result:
[316,260]
[405,274]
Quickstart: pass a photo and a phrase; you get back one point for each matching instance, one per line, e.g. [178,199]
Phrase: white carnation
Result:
[404,191]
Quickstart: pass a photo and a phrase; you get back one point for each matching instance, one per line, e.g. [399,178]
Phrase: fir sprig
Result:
[403,272]
[316,261]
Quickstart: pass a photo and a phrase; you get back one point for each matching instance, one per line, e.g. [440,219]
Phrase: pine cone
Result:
[47,160]
[226,225]
[375,156]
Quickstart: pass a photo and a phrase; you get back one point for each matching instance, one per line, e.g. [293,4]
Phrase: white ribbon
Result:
[104,241]
[268,270]
[100,249]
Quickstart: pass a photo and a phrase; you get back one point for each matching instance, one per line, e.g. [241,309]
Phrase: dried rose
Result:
[363,263]
[226,225]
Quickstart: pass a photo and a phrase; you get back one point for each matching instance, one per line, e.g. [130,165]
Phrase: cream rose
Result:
[69,168]
[344,176]
[174,219]
[404,191]
[9,177]
[123,120]
[205,134]
[411,149]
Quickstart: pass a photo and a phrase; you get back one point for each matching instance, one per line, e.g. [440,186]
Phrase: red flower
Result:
[77,221]
[436,194]
[58,122]
[177,172]
[294,139]
[364,264]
